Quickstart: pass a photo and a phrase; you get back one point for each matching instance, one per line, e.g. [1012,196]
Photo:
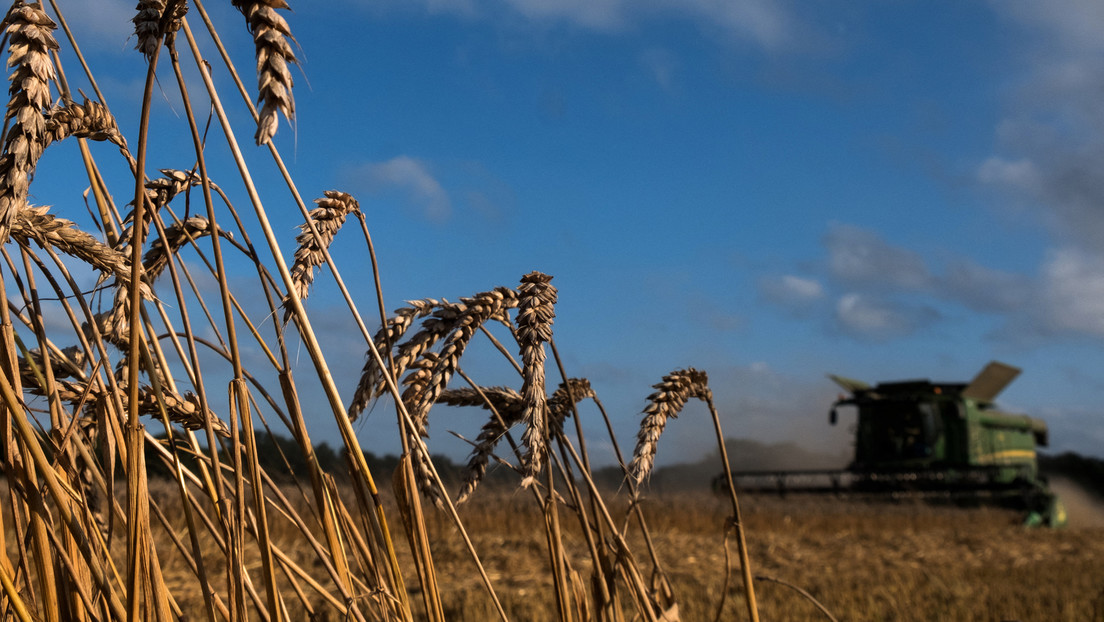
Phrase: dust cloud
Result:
[1085,510]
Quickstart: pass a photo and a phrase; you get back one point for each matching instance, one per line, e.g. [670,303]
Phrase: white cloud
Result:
[1073,24]
[769,24]
[599,14]
[1073,296]
[868,317]
[860,257]
[1014,174]
[1051,138]
[793,292]
[985,289]
[764,22]
[413,178]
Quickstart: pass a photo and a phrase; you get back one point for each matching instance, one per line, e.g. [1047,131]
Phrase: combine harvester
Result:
[933,440]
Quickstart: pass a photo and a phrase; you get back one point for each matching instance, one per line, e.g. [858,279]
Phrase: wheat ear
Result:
[90,120]
[182,409]
[476,311]
[371,377]
[508,406]
[176,235]
[30,34]
[536,309]
[35,223]
[666,402]
[270,35]
[147,24]
[566,395]
[160,192]
[327,218]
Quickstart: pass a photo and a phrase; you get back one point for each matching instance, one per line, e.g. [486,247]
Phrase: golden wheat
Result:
[665,403]
[328,218]
[274,54]
[30,34]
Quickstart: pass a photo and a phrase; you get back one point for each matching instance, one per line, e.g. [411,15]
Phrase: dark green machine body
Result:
[925,436]
[930,439]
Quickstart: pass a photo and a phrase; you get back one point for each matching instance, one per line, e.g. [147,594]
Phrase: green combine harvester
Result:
[920,438]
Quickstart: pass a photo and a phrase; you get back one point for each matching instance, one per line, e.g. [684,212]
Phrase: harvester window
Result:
[904,430]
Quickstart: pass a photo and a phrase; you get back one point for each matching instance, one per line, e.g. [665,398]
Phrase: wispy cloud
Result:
[413,180]
[794,293]
[1073,292]
[861,258]
[880,319]
[1050,139]
[985,289]
[771,25]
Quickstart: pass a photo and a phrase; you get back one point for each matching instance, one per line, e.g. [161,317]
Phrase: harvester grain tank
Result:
[934,439]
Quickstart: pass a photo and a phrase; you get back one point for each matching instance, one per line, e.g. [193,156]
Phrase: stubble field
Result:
[862,561]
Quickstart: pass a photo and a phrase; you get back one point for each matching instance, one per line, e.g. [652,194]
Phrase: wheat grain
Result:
[30,34]
[162,190]
[565,396]
[666,402]
[91,120]
[536,308]
[328,218]
[274,54]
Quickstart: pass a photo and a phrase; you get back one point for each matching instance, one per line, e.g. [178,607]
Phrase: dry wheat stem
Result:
[536,308]
[328,218]
[274,54]
[666,402]
[30,34]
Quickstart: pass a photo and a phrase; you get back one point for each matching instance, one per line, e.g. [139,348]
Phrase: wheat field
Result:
[132,345]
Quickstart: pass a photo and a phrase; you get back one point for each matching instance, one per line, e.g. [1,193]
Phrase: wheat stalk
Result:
[665,403]
[328,218]
[536,308]
[270,36]
[30,33]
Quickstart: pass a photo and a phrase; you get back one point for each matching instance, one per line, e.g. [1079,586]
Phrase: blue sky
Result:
[767,190]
